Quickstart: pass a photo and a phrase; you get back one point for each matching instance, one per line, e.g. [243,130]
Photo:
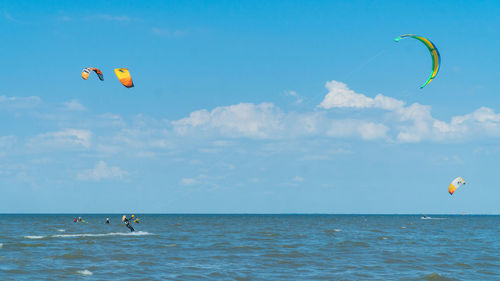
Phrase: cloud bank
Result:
[102,171]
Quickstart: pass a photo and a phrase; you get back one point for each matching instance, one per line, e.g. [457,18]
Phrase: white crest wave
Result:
[84,272]
[34,237]
[137,233]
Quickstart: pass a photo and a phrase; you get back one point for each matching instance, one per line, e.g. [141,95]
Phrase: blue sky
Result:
[248,107]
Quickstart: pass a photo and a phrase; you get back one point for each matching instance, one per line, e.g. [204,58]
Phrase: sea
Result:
[250,247]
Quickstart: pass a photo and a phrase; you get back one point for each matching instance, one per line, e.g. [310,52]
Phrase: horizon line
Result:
[340,214]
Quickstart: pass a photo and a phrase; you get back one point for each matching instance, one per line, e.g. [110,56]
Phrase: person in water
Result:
[107,220]
[127,223]
[75,220]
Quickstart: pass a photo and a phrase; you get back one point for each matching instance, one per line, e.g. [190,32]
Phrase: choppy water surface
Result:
[250,247]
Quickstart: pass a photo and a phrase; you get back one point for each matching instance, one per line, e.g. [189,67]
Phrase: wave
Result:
[61,230]
[436,277]
[333,230]
[136,233]
[27,245]
[84,272]
[350,244]
[34,237]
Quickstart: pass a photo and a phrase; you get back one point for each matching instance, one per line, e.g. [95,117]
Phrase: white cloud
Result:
[7,141]
[188,181]
[347,115]
[298,99]
[6,144]
[357,128]
[240,120]
[65,138]
[298,179]
[339,95]
[15,103]
[102,171]
[371,131]
[413,123]
[111,120]
[74,105]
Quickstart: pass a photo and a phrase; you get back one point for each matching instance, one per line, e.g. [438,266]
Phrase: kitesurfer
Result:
[107,221]
[127,223]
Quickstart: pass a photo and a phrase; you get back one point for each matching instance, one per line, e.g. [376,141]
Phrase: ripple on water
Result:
[488,272]
[268,234]
[244,248]
[463,265]
[146,263]
[290,254]
[436,277]
[76,255]
[290,246]
[27,245]
[332,231]
[17,271]
[352,244]
[383,238]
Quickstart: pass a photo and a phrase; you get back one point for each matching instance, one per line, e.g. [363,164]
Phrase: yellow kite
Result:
[436,58]
[124,76]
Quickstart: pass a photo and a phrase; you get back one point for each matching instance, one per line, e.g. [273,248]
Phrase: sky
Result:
[249,107]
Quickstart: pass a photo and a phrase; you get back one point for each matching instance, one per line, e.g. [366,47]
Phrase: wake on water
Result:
[136,233]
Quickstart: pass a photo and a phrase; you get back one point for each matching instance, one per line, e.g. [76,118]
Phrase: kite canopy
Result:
[436,58]
[455,184]
[124,76]
[86,73]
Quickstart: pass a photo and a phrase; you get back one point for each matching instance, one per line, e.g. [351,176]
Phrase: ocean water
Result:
[250,247]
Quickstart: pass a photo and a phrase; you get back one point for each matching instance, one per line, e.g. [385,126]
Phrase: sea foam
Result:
[34,237]
[84,272]
[137,233]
